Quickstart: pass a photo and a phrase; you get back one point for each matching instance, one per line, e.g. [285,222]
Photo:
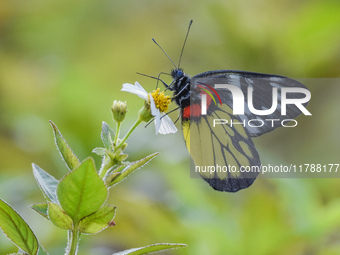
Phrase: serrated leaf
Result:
[82,192]
[47,183]
[20,251]
[99,151]
[42,251]
[41,209]
[112,173]
[151,248]
[131,168]
[118,169]
[58,216]
[65,150]
[98,221]
[110,178]
[17,229]
[107,135]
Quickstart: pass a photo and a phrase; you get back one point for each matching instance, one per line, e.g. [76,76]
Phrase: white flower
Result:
[136,89]
[163,123]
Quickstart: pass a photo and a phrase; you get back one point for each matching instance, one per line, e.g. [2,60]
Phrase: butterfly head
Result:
[177,73]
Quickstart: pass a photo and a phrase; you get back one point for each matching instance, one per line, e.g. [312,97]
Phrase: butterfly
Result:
[223,154]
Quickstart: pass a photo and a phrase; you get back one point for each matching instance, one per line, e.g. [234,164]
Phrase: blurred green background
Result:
[67,60]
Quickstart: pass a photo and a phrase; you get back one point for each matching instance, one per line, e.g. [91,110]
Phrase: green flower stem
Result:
[73,242]
[128,134]
[105,168]
[117,134]
[110,163]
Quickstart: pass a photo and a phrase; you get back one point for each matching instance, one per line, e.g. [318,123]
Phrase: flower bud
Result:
[118,110]
[144,114]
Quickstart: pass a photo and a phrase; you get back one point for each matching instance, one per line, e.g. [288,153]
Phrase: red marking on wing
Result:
[195,110]
[218,96]
[212,89]
[192,111]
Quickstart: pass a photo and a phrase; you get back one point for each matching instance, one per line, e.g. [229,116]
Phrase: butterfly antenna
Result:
[164,53]
[186,37]
[156,78]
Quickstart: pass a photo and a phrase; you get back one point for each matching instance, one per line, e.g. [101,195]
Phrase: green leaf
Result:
[58,216]
[110,178]
[151,248]
[17,229]
[20,252]
[118,169]
[41,209]
[42,251]
[47,183]
[98,221]
[82,192]
[99,151]
[131,168]
[65,150]
[112,173]
[107,135]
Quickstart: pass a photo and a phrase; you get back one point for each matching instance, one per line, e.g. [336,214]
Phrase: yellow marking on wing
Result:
[239,128]
[229,130]
[226,108]
[243,160]
[186,133]
[199,153]
[227,127]
[195,144]
[206,149]
[232,162]
[246,149]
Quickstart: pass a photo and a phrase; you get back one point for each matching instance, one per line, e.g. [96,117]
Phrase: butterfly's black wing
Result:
[226,145]
[262,85]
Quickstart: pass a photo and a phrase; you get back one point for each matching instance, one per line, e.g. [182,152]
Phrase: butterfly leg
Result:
[159,79]
[184,88]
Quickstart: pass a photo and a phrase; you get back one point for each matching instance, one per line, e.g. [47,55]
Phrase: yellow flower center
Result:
[162,101]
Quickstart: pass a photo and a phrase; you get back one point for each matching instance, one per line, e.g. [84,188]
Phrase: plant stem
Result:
[117,134]
[105,167]
[73,241]
[128,134]
[110,163]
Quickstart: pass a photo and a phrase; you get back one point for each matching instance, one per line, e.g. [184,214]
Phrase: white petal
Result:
[136,89]
[137,84]
[156,113]
[158,122]
[154,110]
[167,126]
